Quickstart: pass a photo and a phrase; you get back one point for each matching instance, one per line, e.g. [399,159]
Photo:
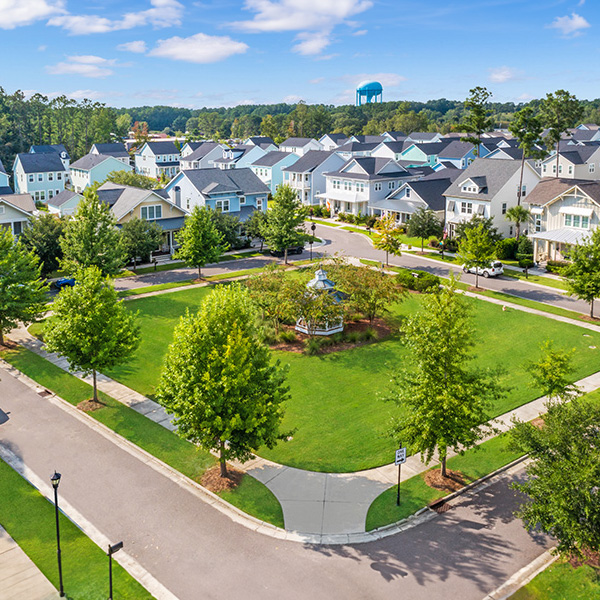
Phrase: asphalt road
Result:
[197,552]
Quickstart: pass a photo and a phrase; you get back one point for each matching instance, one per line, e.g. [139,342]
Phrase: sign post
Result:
[400,458]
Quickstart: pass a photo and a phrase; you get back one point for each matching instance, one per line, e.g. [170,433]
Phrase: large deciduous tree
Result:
[42,236]
[388,238]
[423,224]
[91,238]
[442,403]
[477,120]
[22,292]
[255,226]
[219,380]
[90,327]
[140,238]
[476,249]
[200,241]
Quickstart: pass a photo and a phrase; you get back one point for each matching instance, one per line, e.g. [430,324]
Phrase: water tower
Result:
[369,91]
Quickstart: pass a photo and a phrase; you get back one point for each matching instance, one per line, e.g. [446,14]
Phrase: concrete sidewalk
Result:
[20,579]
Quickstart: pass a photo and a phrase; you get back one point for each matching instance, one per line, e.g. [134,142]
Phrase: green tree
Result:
[90,327]
[527,128]
[388,238]
[123,124]
[518,215]
[219,380]
[132,179]
[92,238]
[476,249]
[285,221]
[582,275]
[525,255]
[477,120]
[22,292]
[42,236]
[200,240]
[558,112]
[423,224]
[229,227]
[563,496]
[473,223]
[255,226]
[140,238]
[443,404]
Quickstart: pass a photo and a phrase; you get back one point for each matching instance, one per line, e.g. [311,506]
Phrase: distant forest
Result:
[77,125]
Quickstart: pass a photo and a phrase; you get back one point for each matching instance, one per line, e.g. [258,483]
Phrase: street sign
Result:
[400,456]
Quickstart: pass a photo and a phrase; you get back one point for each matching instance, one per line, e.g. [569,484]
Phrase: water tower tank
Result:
[369,91]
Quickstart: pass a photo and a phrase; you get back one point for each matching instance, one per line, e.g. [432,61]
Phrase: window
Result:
[30,178]
[585,222]
[36,196]
[391,185]
[554,168]
[187,203]
[42,195]
[259,203]
[222,205]
[378,187]
[360,187]
[2,210]
[17,227]
[347,186]
[150,213]
[57,192]
[242,200]
[544,168]
[510,231]
[504,208]
[40,177]
[524,190]
[538,222]
[50,176]
[466,208]
[570,169]
[591,167]
[568,220]
[50,194]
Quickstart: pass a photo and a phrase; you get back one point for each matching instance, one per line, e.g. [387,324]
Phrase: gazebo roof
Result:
[320,281]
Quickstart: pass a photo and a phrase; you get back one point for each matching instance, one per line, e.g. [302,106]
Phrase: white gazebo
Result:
[321,285]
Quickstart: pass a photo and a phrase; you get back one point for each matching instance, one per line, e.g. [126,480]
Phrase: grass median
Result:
[252,497]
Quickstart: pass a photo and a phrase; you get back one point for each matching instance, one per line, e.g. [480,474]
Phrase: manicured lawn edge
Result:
[148,435]
[28,517]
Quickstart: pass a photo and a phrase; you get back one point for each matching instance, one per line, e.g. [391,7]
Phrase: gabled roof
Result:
[200,151]
[488,174]
[395,147]
[431,148]
[397,135]
[261,140]
[310,161]
[163,147]
[577,155]
[238,152]
[116,150]
[431,189]
[371,167]
[61,198]
[455,149]
[218,181]
[358,147]
[40,162]
[425,136]
[335,137]
[369,139]
[550,188]
[89,161]
[511,153]
[271,158]
[6,190]
[22,202]
[49,149]
[296,141]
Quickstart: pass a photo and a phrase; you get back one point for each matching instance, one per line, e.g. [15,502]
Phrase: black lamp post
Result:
[112,550]
[312,238]
[55,479]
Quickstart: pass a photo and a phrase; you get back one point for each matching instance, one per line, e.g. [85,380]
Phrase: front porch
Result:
[555,244]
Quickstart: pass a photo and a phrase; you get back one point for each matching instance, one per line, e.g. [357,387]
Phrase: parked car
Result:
[59,284]
[290,251]
[493,270]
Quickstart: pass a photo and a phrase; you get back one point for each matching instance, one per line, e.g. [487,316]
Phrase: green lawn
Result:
[561,581]
[29,519]
[415,493]
[341,422]
[252,496]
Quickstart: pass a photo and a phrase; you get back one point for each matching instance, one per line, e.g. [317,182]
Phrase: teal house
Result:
[268,168]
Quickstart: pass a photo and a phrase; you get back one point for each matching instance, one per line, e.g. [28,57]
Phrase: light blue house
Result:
[4,181]
[268,168]
[425,153]
[238,192]
[65,204]
[43,175]
[461,154]
[94,168]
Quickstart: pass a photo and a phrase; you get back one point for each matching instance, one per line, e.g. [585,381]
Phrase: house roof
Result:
[23,202]
[371,167]
[270,158]
[397,135]
[117,150]
[296,141]
[200,151]
[489,174]
[310,161]
[403,205]
[564,235]
[578,155]
[261,140]
[217,181]
[61,198]
[336,137]
[397,146]
[369,139]
[550,188]
[425,136]
[41,162]
[511,153]
[5,190]
[89,161]
[431,148]
[455,149]
[358,147]
[431,188]
[238,152]
[162,147]
[49,149]
[583,134]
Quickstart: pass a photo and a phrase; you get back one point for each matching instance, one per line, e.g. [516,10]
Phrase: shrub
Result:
[451,245]
[406,279]
[427,282]
[434,243]
[369,335]
[525,260]
[525,246]
[370,222]
[325,212]
[401,228]
[288,336]
[554,266]
[312,346]
[353,337]
[338,338]
[506,249]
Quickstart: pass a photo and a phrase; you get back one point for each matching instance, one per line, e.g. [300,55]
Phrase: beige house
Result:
[574,162]
[15,211]
[564,212]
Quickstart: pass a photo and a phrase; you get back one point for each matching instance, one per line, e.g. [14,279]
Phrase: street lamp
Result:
[312,238]
[112,550]
[55,479]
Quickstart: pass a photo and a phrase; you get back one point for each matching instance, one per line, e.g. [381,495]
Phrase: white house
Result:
[42,175]
[488,188]
[331,141]
[116,150]
[94,168]
[262,141]
[307,175]
[202,155]
[576,162]
[238,157]
[15,211]
[155,159]
[300,146]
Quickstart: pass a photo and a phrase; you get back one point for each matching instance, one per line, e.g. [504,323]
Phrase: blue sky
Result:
[225,52]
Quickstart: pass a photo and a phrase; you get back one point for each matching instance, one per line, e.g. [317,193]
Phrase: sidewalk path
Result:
[20,579]
[312,502]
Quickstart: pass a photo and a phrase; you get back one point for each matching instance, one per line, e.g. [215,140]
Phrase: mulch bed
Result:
[90,405]
[538,422]
[453,482]
[590,558]
[590,319]
[213,481]
[8,345]
[472,288]
[382,329]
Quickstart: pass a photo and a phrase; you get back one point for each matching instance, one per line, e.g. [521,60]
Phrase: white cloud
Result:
[360,32]
[570,26]
[164,13]
[309,43]
[503,74]
[42,48]
[317,80]
[386,79]
[139,47]
[292,99]
[525,97]
[85,94]
[199,48]
[84,65]
[14,13]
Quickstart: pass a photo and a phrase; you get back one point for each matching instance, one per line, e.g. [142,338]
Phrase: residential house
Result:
[394,136]
[427,193]
[202,156]
[189,147]
[424,153]
[351,148]
[506,154]
[4,181]
[361,181]
[369,139]
[64,204]
[268,168]
[565,211]
[238,157]
[262,141]
[116,150]
[127,202]
[42,175]
[94,168]
[307,175]
[576,162]
[15,211]
[331,141]
[460,154]
[300,146]
[157,159]
[424,137]
[488,188]
[238,192]
[58,149]
[390,149]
